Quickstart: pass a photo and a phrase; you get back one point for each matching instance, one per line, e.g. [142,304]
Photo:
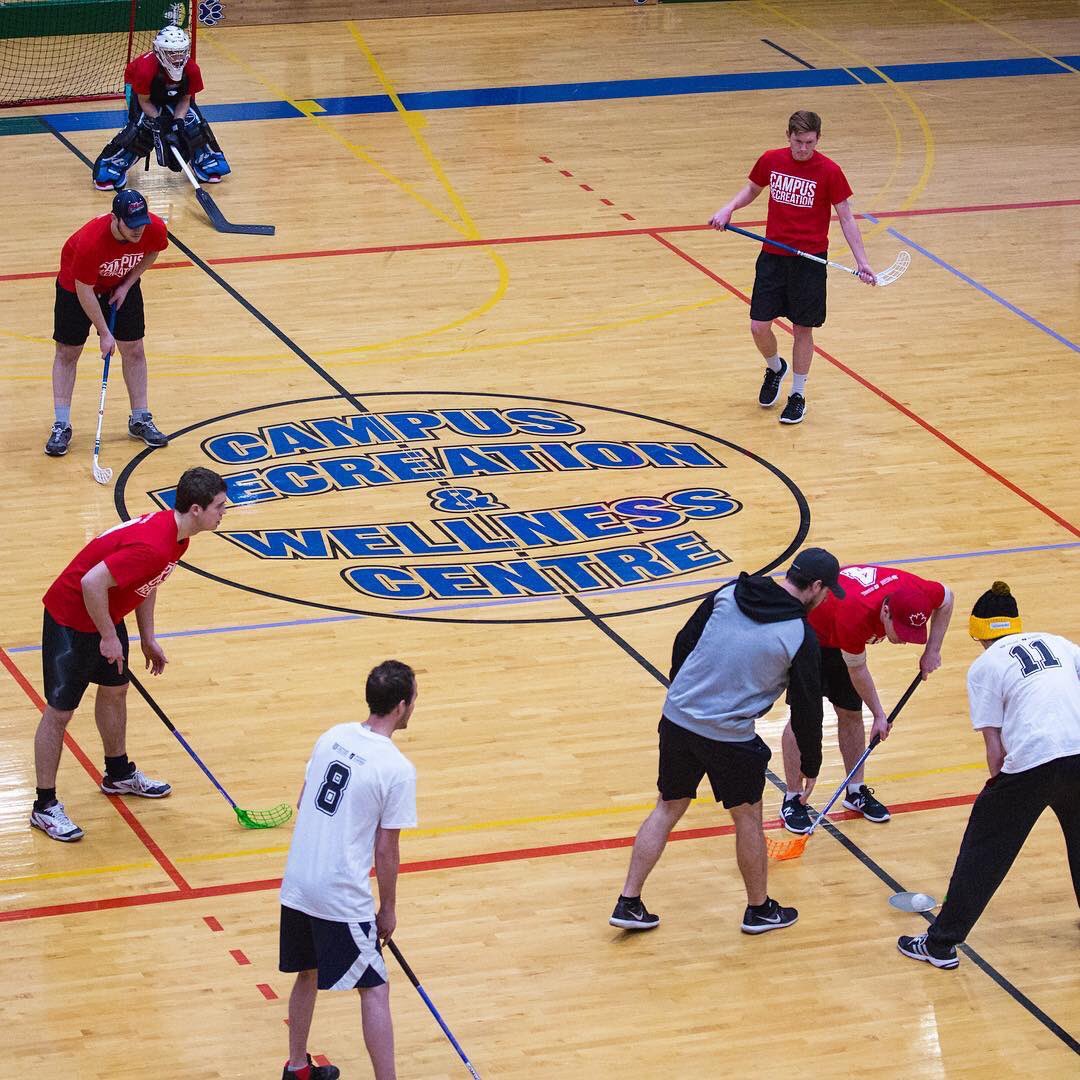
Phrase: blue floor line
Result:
[322,620]
[977,285]
[606,90]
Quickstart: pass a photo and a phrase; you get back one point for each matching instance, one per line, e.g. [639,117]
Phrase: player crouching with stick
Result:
[84,639]
[162,86]
[730,663]
[1024,693]
[101,265]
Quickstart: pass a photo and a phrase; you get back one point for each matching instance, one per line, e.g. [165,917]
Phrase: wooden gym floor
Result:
[505,261]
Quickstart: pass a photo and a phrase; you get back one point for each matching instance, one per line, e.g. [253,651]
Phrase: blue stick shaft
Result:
[866,753]
[766,240]
[180,738]
[411,975]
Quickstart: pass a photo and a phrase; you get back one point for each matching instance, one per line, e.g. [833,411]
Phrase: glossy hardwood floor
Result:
[537,277]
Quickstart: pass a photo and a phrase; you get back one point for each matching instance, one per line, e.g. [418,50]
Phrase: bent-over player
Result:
[84,639]
[730,663]
[100,265]
[1024,693]
[879,603]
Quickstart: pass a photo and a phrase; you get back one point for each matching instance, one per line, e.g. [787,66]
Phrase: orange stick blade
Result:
[785,849]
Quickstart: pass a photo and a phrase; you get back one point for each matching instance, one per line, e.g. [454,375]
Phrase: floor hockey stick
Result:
[792,849]
[250,819]
[886,277]
[217,218]
[428,1002]
[101,474]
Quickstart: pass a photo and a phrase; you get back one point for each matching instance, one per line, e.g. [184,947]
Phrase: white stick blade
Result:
[894,272]
[101,474]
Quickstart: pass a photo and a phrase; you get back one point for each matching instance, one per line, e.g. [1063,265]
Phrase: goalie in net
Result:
[162,85]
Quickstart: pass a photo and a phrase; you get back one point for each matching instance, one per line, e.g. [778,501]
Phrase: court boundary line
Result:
[83,759]
[937,433]
[541,238]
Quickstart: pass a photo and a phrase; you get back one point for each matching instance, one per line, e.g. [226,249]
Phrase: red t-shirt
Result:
[801,197]
[855,622]
[142,71]
[95,257]
[140,555]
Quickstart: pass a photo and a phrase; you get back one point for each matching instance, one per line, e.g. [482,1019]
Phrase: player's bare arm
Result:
[88,301]
[151,650]
[995,750]
[387,861]
[930,660]
[746,196]
[119,294]
[96,583]
[850,228]
[863,682]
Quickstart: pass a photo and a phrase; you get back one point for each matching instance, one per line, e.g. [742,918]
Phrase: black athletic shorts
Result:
[736,770]
[790,287]
[72,327]
[71,660]
[348,955]
[836,681]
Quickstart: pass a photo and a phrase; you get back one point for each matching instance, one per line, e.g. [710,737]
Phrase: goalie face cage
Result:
[55,51]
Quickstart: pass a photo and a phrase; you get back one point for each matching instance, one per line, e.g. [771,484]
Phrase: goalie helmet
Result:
[173,48]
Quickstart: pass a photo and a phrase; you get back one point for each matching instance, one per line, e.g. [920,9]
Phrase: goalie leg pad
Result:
[206,157]
[136,140]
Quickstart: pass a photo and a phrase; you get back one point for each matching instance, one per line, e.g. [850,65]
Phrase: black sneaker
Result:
[59,438]
[794,410]
[920,948]
[147,431]
[318,1072]
[795,816]
[770,385]
[769,916]
[633,915]
[863,802]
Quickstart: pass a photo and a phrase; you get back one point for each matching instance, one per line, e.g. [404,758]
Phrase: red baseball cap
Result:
[910,613]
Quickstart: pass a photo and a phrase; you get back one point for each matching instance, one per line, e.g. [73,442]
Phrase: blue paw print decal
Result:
[211,12]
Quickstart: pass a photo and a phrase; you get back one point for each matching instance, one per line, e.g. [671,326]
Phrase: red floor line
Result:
[124,811]
[909,413]
[427,865]
[438,245]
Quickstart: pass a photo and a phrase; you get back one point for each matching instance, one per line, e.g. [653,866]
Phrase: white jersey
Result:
[356,781]
[1029,686]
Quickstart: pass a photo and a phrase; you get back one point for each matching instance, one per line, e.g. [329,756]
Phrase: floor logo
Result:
[480,506]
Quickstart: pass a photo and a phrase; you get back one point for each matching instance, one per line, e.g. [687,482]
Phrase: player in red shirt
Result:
[161,87]
[84,639]
[101,265]
[803,187]
[879,602]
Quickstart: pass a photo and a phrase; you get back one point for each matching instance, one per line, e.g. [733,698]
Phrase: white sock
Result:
[798,384]
[775,363]
[791,795]
[854,789]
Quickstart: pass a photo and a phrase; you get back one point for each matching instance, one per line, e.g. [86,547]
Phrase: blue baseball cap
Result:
[130,207]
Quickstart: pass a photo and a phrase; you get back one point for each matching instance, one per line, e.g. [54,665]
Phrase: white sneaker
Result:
[138,783]
[54,822]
